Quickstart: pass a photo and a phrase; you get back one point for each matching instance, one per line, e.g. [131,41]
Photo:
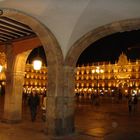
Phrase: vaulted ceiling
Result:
[12,30]
[71,20]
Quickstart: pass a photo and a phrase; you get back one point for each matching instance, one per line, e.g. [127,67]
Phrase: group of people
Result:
[132,103]
[34,102]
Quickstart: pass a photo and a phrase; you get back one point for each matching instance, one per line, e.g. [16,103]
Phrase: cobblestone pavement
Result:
[107,121]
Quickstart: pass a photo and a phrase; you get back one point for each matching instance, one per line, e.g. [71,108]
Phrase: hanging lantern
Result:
[37,63]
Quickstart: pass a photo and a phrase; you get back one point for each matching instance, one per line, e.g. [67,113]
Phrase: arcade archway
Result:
[19,52]
[91,37]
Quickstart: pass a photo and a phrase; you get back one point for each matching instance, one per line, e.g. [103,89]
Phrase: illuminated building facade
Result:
[35,80]
[103,77]
[124,75]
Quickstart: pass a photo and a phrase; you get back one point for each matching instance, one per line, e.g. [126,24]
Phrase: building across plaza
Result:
[104,77]
[35,80]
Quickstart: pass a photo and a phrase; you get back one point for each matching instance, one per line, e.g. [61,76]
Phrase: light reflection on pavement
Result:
[107,120]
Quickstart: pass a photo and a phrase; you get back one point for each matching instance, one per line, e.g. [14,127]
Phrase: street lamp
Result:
[97,71]
[37,63]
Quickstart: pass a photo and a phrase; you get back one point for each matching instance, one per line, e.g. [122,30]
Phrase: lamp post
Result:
[97,71]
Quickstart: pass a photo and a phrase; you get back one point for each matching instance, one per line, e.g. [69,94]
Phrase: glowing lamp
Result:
[37,63]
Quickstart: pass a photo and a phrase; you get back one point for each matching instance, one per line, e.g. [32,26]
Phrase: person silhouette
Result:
[130,104]
[33,103]
[135,101]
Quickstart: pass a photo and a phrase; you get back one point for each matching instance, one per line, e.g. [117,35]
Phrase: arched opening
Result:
[35,81]
[19,52]
[82,44]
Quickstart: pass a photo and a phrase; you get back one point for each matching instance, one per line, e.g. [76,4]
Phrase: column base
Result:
[61,137]
[61,127]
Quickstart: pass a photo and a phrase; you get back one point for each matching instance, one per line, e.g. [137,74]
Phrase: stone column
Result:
[54,116]
[13,97]
[13,88]
[60,108]
[69,100]
[60,116]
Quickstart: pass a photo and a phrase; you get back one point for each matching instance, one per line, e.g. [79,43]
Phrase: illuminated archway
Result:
[85,41]
[17,66]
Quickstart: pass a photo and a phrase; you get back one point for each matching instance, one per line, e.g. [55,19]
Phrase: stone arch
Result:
[55,72]
[123,86]
[123,83]
[18,61]
[14,82]
[52,49]
[80,45]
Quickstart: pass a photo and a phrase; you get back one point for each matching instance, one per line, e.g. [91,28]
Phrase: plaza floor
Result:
[107,121]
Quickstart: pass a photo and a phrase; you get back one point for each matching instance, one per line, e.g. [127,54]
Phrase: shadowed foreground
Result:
[108,120]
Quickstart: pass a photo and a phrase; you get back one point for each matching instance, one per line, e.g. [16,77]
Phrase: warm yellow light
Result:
[0,68]
[93,71]
[97,70]
[37,64]
[102,71]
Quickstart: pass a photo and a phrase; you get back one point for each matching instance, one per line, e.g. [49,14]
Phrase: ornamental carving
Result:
[122,60]
[123,67]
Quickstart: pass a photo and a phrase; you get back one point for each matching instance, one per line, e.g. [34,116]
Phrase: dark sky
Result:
[110,47]
[106,49]
[37,51]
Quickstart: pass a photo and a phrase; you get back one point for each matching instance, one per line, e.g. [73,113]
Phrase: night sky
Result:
[109,48]
[37,52]
[106,49]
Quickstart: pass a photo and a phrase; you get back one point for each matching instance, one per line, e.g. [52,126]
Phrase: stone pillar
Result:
[60,116]
[60,109]
[54,117]
[13,97]
[69,100]
[13,88]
